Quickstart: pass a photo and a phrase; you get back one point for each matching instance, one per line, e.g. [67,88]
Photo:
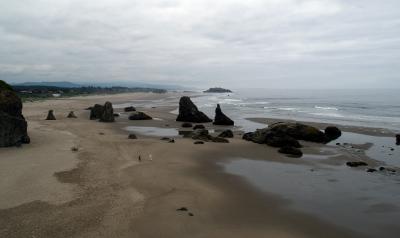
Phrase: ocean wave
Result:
[327,108]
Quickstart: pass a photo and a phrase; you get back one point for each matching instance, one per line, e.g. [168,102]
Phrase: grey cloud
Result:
[264,43]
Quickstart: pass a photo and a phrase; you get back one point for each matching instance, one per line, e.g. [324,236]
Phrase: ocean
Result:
[369,108]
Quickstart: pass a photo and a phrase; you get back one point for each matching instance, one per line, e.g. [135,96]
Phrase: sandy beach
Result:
[103,190]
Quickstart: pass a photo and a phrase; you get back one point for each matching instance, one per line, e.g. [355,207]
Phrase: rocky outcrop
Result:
[356,164]
[199,127]
[96,112]
[291,151]
[13,126]
[298,131]
[139,116]
[187,125]
[221,118]
[129,109]
[50,116]
[201,134]
[108,113]
[226,134]
[332,133]
[188,112]
[398,139]
[217,90]
[71,114]
[271,138]
[132,136]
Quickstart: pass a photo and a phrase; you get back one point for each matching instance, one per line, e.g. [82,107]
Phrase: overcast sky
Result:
[244,43]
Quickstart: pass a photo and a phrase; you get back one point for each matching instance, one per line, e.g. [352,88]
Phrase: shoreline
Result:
[116,195]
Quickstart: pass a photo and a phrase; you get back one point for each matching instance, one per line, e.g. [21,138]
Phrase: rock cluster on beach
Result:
[286,135]
[188,112]
[102,113]
[13,126]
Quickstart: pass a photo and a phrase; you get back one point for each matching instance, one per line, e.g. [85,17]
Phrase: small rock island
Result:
[218,90]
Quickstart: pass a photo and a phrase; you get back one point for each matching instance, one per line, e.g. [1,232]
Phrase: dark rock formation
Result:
[248,136]
[371,170]
[129,109]
[187,125]
[188,112]
[132,136]
[332,133]
[13,126]
[226,134]
[199,127]
[71,114]
[201,134]
[271,138]
[139,116]
[298,131]
[116,114]
[288,150]
[96,112]
[398,139]
[108,113]
[219,140]
[50,115]
[199,142]
[217,90]
[221,118]
[356,164]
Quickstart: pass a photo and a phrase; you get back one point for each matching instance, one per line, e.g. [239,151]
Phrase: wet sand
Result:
[103,190]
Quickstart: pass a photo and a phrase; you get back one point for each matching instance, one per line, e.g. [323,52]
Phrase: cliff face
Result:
[13,126]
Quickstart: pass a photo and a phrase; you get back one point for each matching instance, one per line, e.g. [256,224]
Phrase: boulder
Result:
[187,125]
[139,116]
[116,114]
[188,112]
[132,136]
[356,164]
[226,134]
[332,133]
[248,136]
[71,114]
[201,134]
[221,118]
[199,142]
[129,109]
[398,139]
[96,112]
[298,131]
[292,151]
[13,126]
[271,138]
[50,116]
[108,113]
[199,127]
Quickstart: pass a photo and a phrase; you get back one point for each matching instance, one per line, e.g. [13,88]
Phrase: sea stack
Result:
[221,118]
[13,126]
[108,113]
[398,139]
[50,116]
[188,112]
[71,115]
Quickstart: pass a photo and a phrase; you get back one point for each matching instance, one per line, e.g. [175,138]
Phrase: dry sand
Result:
[102,190]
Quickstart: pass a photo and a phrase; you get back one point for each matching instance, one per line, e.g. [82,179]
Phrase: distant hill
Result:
[64,84]
[218,90]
